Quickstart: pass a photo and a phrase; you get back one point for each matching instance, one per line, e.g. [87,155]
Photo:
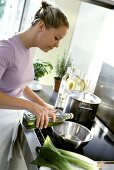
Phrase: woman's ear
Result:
[41,25]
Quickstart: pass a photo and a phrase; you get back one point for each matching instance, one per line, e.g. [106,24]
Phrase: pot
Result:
[83,105]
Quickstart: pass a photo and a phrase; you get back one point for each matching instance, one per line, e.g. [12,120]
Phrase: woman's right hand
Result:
[42,114]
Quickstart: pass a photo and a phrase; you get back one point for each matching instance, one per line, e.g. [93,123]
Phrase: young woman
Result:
[49,26]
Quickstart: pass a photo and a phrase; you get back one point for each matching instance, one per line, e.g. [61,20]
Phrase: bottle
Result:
[82,82]
[77,80]
[62,91]
[58,104]
[29,120]
[73,80]
[63,82]
[87,84]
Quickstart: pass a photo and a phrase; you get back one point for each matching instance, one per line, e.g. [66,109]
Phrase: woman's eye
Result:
[56,38]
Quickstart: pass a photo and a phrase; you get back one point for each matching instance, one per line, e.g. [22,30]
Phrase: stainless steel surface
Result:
[73,133]
[83,105]
[105,90]
[85,97]
[28,142]
[105,129]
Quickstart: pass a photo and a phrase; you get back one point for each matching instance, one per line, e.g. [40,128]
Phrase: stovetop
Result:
[103,140]
[57,140]
[100,148]
[98,129]
[105,128]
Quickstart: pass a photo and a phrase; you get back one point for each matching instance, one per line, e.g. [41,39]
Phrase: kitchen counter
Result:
[100,148]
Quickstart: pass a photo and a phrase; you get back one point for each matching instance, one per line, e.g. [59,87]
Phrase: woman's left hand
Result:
[49,106]
[52,110]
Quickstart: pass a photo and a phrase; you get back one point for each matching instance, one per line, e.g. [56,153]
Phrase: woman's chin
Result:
[46,49]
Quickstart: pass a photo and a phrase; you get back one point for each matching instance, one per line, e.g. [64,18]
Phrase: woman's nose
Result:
[57,44]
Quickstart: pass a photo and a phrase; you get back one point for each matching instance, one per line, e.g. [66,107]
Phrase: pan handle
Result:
[86,108]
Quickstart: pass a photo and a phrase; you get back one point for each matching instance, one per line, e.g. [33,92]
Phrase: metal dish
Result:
[74,133]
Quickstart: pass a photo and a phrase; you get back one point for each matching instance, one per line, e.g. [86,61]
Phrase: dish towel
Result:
[9,122]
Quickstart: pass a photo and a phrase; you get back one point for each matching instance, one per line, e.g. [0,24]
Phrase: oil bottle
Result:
[29,120]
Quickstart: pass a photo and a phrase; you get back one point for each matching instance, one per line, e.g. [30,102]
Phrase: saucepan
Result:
[75,134]
[83,105]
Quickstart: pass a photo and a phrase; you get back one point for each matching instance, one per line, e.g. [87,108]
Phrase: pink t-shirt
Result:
[16,66]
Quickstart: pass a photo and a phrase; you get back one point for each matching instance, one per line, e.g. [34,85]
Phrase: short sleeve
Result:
[4,59]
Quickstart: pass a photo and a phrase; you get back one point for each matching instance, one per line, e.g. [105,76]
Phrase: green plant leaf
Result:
[41,68]
[63,62]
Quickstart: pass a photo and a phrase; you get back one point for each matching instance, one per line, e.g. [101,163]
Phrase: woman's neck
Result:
[26,39]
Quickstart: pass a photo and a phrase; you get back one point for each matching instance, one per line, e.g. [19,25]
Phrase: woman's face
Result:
[47,39]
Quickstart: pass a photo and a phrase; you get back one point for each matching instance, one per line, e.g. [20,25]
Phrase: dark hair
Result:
[52,17]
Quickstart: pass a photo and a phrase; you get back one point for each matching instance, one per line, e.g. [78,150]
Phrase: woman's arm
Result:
[10,102]
[29,94]
[42,113]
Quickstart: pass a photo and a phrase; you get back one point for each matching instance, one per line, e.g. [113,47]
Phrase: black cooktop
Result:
[101,147]
[57,140]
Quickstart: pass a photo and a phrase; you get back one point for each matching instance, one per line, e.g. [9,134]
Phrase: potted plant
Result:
[63,62]
[41,68]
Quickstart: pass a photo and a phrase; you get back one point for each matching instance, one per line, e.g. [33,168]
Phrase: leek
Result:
[81,163]
[40,161]
[59,159]
[55,158]
[48,144]
[49,156]
[79,160]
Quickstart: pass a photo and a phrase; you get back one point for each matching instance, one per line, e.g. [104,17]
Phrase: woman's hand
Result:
[49,106]
[42,114]
[38,107]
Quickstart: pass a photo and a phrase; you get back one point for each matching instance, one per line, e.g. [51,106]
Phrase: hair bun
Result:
[45,4]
